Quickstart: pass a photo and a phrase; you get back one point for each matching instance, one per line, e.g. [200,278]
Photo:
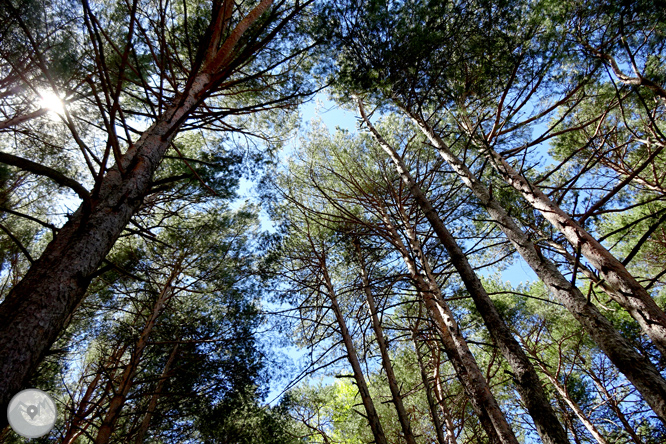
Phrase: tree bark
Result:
[36,309]
[383,350]
[525,377]
[436,300]
[364,392]
[639,370]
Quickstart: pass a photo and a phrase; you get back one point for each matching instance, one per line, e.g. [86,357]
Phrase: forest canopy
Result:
[189,253]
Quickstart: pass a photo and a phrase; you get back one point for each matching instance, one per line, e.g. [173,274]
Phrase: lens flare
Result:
[52,102]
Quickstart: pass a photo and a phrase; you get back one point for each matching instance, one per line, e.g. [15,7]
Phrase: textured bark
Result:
[37,308]
[383,350]
[35,311]
[525,377]
[371,412]
[639,370]
[626,290]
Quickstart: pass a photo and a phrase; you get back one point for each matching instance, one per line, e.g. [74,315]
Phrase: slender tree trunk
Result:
[432,403]
[371,412]
[569,421]
[152,405]
[471,377]
[437,299]
[639,370]
[383,350]
[127,378]
[627,291]
[564,394]
[439,395]
[615,406]
[36,309]
[526,379]
[85,408]
[436,395]
[75,427]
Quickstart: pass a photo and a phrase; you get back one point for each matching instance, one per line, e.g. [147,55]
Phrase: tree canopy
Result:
[187,256]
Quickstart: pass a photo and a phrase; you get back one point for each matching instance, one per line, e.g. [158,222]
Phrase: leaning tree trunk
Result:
[364,392]
[472,379]
[638,369]
[383,350]
[573,405]
[152,405]
[433,297]
[432,402]
[526,379]
[625,289]
[36,309]
[127,378]
[87,405]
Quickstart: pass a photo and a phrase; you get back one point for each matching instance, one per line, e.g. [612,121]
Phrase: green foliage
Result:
[240,420]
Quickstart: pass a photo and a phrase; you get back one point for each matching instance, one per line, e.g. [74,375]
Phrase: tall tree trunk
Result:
[625,289]
[439,395]
[36,309]
[485,406]
[564,394]
[152,405]
[435,297]
[639,370]
[525,377]
[34,312]
[433,402]
[383,350]
[371,412]
[127,378]
[615,406]
[86,406]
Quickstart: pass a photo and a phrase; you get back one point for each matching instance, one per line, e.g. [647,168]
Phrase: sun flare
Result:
[52,102]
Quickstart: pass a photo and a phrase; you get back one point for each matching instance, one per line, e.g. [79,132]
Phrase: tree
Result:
[187,77]
[327,180]
[508,71]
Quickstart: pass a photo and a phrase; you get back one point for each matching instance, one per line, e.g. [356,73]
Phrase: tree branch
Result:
[18,243]
[41,170]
